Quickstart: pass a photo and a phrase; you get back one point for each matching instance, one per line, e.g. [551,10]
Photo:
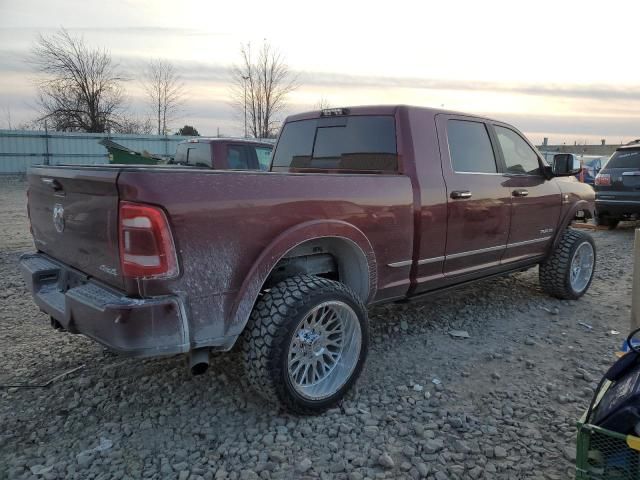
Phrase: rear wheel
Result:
[306,343]
[568,271]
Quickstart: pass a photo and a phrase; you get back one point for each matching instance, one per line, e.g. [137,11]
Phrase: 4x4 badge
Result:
[58,217]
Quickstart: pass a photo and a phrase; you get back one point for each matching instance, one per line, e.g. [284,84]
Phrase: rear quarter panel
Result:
[224,222]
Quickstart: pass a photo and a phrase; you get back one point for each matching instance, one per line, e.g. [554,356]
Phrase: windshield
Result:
[624,159]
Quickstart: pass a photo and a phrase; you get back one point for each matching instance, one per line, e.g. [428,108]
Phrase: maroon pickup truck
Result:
[361,206]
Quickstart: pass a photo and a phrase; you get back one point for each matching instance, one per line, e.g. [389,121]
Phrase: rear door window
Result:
[354,143]
[470,148]
[624,159]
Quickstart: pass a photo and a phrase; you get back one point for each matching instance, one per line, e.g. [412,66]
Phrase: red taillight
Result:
[603,179]
[146,244]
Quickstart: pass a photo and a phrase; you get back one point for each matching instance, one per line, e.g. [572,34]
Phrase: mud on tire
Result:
[275,320]
[555,271]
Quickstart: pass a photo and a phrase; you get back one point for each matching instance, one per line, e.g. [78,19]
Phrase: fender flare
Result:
[569,216]
[240,311]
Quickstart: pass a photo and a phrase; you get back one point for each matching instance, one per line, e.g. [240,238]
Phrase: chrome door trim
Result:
[475,252]
[528,242]
[426,261]
[423,261]
[404,263]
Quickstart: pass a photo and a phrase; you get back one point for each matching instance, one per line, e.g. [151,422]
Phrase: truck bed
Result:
[222,224]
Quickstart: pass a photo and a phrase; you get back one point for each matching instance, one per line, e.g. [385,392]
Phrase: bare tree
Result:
[80,88]
[134,124]
[165,93]
[7,115]
[260,89]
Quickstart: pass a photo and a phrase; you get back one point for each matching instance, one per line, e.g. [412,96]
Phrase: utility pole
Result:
[245,104]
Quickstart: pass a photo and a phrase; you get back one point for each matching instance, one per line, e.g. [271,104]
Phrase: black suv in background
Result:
[618,187]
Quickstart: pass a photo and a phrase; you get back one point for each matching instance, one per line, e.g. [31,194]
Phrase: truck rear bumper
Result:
[139,327]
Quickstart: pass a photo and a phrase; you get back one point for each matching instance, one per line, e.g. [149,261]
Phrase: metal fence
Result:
[19,149]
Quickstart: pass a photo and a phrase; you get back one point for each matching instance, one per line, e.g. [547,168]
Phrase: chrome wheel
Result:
[324,350]
[581,267]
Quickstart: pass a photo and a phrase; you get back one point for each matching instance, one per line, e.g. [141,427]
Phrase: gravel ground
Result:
[501,404]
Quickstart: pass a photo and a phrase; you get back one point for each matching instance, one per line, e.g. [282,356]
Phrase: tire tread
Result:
[554,271]
[264,337]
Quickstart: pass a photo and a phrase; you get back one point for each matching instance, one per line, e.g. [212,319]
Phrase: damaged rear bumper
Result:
[141,327]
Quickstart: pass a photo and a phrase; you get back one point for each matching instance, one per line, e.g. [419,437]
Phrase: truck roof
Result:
[635,145]
[257,141]
[376,110]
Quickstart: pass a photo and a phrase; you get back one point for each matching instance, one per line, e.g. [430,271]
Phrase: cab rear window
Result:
[624,159]
[352,143]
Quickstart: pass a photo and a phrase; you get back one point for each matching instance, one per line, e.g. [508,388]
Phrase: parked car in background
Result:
[224,154]
[617,187]
[361,206]
[591,166]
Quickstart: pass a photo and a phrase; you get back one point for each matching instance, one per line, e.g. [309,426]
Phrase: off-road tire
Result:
[556,269]
[268,334]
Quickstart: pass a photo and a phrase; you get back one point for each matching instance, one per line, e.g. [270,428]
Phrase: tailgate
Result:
[74,218]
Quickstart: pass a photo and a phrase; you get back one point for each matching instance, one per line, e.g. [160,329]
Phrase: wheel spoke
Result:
[325,314]
[581,268]
[333,324]
[325,350]
[297,370]
[319,370]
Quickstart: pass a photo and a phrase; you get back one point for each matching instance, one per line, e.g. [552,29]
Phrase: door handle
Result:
[457,194]
[520,192]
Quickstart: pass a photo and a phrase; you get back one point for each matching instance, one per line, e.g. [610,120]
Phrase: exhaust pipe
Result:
[199,361]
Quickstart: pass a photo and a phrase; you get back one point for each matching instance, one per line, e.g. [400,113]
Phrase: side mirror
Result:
[565,165]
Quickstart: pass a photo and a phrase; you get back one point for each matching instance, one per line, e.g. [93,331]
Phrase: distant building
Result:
[602,150]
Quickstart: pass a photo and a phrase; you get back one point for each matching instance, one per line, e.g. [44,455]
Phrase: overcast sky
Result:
[562,69]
